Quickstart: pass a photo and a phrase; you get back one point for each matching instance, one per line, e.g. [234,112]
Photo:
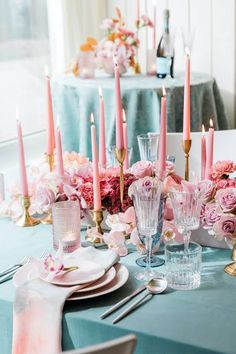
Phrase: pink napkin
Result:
[38,306]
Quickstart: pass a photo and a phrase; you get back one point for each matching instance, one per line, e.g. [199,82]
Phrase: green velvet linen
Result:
[177,322]
[74,99]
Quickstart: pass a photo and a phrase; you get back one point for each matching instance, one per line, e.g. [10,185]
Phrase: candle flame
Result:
[203,129]
[92,118]
[124,115]
[100,91]
[187,51]
[58,121]
[211,123]
[17,114]
[163,91]
[46,70]
[115,60]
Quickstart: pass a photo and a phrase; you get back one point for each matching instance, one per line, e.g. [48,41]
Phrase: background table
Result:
[200,321]
[74,99]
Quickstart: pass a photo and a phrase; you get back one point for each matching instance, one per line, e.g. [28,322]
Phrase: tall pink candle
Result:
[96,180]
[118,103]
[59,154]
[126,144]
[50,121]
[23,174]
[203,153]
[210,149]
[186,117]
[162,141]
[138,9]
[154,26]
[102,138]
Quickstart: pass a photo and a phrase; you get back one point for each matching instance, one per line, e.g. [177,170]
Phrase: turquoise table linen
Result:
[74,99]
[200,321]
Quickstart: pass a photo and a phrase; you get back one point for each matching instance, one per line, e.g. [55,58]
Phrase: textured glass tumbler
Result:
[148,146]
[66,225]
[183,268]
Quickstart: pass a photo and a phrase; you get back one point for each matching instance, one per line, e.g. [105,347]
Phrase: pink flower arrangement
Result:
[222,169]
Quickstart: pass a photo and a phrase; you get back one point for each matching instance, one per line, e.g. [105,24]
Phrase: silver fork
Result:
[15,268]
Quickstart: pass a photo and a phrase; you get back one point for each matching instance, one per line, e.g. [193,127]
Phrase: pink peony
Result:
[142,169]
[211,214]
[226,198]
[226,226]
[45,197]
[221,168]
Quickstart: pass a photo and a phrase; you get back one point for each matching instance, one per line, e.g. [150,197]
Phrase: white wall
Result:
[214,50]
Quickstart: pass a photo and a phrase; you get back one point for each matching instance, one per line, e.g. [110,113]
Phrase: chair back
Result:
[123,345]
[224,149]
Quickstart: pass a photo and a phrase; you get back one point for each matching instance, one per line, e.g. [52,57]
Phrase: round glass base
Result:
[146,275]
[155,261]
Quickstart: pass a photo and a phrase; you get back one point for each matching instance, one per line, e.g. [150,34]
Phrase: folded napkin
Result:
[38,306]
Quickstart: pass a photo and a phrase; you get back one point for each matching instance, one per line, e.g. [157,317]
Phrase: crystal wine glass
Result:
[188,38]
[145,194]
[186,207]
[148,146]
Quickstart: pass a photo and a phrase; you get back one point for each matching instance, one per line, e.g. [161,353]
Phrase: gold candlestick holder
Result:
[47,220]
[120,156]
[98,218]
[50,160]
[26,220]
[231,267]
[186,147]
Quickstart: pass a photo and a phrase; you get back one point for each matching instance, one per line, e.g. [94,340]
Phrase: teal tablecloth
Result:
[74,99]
[178,322]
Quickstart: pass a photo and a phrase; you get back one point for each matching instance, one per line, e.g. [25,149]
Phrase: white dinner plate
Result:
[104,280]
[122,275]
[87,273]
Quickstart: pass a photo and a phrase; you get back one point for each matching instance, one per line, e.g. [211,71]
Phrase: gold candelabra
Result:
[98,218]
[26,220]
[231,267]
[120,156]
[186,147]
[47,220]
[50,160]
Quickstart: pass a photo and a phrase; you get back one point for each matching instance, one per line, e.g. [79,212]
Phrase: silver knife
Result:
[123,301]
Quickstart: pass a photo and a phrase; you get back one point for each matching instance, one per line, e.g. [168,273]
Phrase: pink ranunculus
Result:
[226,198]
[142,169]
[211,214]
[45,197]
[225,226]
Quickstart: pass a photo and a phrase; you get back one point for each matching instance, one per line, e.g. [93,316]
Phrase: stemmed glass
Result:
[188,38]
[186,207]
[148,146]
[145,194]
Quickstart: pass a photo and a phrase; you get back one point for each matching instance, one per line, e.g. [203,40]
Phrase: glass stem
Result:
[186,238]
[149,251]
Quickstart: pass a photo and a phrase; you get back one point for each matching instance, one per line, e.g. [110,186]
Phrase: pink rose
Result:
[226,226]
[226,183]
[226,198]
[142,169]
[209,190]
[45,197]
[211,214]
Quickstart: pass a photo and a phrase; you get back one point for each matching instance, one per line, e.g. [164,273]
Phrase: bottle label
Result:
[162,66]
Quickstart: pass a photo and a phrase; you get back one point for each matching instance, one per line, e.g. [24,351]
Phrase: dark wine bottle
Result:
[165,51]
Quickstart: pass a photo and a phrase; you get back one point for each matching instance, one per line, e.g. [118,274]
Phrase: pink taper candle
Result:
[118,103]
[125,134]
[162,141]
[102,136]
[210,149]
[203,153]
[138,9]
[186,117]
[50,121]
[96,179]
[59,154]
[23,175]
[154,26]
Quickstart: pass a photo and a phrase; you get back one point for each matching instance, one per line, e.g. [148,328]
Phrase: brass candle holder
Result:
[47,220]
[26,220]
[120,156]
[231,267]
[186,147]
[50,160]
[98,218]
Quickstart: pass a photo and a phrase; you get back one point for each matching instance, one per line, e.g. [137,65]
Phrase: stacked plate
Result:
[90,278]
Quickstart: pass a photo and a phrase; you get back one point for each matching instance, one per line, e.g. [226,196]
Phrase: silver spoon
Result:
[154,286]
